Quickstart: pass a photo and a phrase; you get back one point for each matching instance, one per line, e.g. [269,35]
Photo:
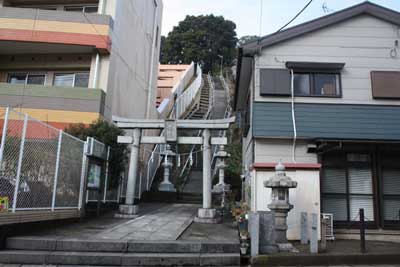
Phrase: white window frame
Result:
[26,76]
[71,73]
[83,7]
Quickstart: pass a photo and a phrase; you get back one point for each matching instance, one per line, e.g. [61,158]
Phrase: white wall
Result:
[130,60]
[273,150]
[363,43]
[305,198]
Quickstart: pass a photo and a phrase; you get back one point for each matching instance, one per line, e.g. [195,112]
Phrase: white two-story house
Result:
[324,97]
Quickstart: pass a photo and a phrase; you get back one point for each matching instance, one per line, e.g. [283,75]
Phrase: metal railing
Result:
[227,114]
[182,103]
[185,100]
[187,166]
[41,167]
[153,164]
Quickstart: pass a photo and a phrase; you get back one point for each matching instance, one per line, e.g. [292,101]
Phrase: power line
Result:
[295,17]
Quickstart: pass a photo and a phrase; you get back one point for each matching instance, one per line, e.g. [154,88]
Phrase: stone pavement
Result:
[166,223]
[396,265]
[157,221]
[224,232]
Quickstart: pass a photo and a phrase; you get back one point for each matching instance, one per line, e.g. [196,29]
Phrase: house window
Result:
[346,186]
[26,78]
[317,84]
[84,9]
[72,79]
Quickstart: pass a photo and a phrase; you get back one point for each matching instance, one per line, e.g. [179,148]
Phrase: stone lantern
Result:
[166,185]
[280,206]
[221,186]
[221,155]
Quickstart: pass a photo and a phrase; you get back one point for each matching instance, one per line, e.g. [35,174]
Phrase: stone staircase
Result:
[41,251]
[194,184]
[200,108]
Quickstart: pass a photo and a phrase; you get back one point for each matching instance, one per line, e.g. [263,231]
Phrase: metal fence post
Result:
[3,137]
[106,178]
[53,201]
[21,155]
[83,174]
[362,231]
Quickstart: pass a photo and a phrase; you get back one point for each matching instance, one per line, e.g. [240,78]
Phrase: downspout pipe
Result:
[102,7]
[293,117]
[96,71]
[151,71]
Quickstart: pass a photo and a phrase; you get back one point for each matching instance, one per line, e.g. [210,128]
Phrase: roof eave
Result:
[322,22]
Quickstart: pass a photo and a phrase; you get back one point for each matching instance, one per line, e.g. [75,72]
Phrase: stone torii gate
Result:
[206,214]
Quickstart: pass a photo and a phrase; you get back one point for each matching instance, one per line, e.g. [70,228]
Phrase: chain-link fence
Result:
[41,167]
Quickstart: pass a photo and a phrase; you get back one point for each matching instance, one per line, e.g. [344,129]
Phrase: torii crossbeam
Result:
[206,213]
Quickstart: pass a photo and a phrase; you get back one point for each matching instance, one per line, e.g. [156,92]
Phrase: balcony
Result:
[59,106]
[54,27]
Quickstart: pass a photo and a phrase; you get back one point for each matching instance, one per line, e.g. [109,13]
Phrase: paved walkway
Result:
[166,223]
[224,232]
[157,221]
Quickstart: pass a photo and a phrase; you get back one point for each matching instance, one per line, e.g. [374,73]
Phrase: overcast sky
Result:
[246,13]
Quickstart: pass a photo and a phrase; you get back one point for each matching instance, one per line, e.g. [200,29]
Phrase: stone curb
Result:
[132,246]
[118,259]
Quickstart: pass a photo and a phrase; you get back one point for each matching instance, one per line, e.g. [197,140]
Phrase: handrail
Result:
[206,116]
[183,101]
[227,114]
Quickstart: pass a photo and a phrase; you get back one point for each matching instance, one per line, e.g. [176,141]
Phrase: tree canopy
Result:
[246,39]
[201,39]
[106,133]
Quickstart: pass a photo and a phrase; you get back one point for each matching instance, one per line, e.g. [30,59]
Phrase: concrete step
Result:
[115,246]
[118,259]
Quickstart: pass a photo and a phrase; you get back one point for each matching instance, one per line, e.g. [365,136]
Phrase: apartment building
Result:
[323,97]
[74,61]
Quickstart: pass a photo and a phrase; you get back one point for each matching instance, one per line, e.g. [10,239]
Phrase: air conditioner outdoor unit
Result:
[328,217]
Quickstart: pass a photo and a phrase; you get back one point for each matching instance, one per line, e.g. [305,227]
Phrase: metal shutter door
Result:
[334,180]
[391,194]
[360,182]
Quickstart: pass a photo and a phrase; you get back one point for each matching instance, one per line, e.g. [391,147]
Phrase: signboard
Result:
[171,130]
[4,204]
[94,176]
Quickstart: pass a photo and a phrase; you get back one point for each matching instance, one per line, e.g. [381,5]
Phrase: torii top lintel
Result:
[221,124]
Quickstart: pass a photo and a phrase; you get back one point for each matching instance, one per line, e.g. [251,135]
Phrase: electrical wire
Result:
[295,17]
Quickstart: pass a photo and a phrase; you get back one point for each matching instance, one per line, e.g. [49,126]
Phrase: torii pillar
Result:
[206,214]
[129,210]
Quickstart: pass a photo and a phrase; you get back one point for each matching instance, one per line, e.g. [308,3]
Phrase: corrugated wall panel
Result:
[336,121]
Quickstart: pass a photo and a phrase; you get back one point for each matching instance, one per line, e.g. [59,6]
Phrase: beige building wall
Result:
[363,43]
[133,64]
[274,150]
